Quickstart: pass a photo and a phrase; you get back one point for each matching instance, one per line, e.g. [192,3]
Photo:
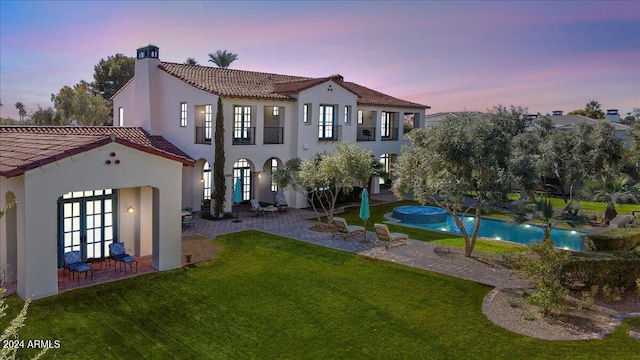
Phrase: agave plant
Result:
[612,190]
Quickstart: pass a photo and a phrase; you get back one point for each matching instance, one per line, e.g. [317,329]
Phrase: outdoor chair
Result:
[73,264]
[118,254]
[260,210]
[366,133]
[187,220]
[281,202]
[344,230]
[389,239]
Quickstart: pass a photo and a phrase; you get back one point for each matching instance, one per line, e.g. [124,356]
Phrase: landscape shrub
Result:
[582,273]
[542,266]
[623,239]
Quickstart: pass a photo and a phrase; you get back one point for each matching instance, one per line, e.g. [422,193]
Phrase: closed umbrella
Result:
[364,211]
[237,196]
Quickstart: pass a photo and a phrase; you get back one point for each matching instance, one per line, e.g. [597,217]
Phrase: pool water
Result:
[508,231]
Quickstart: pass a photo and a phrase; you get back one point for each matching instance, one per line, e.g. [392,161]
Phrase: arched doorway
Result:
[242,170]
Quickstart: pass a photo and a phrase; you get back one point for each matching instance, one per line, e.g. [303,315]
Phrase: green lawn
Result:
[270,297]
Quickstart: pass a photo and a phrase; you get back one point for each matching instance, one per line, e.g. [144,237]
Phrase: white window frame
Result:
[121,116]
[347,115]
[242,122]
[208,122]
[385,124]
[326,122]
[183,114]
[274,168]
[360,117]
[306,114]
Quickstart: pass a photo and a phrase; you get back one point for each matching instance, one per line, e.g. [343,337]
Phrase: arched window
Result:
[206,181]
[274,168]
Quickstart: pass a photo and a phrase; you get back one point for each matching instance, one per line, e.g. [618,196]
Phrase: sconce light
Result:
[202,180]
[130,210]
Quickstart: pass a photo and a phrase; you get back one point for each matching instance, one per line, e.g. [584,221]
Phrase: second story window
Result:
[242,130]
[183,114]
[208,122]
[360,117]
[121,116]
[326,122]
[385,125]
[276,111]
[347,115]
[306,116]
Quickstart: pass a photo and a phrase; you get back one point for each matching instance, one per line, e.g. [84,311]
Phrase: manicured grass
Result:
[352,215]
[270,297]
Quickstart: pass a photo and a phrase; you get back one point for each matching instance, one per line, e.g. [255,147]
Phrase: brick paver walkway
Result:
[418,254]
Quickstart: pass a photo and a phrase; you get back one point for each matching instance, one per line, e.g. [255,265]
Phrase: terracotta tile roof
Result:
[256,85]
[27,147]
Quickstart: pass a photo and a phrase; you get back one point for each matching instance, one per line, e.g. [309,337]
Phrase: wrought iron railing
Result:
[366,134]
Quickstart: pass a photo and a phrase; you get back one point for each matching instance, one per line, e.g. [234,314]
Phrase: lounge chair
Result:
[390,239]
[345,230]
[74,264]
[187,220]
[118,254]
[260,210]
[281,202]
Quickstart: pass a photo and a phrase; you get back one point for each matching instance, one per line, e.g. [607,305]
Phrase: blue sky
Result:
[451,56]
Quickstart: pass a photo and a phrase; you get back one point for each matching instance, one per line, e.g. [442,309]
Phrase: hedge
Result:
[614,240]
[616,272]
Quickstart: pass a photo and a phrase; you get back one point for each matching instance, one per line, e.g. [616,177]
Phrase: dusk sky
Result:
[452,56]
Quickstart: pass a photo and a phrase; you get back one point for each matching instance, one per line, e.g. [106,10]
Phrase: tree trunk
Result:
[609,214]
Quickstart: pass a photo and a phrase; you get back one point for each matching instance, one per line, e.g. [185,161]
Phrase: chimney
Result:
[612,115]
[145,75]
[557,113]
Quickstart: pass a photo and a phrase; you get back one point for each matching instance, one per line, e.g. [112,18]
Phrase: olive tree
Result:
[463,158]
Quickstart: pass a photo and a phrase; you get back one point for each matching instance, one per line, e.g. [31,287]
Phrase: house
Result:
[269,119]
[436,118]
[82,188]
[567,122]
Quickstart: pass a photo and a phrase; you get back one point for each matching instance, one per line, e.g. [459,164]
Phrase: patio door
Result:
[86,223]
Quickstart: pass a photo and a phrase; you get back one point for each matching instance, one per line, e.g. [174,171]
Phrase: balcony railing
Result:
[366,134]
[334,135]
[392,134]
[245,136]
[273,135]
[203,135]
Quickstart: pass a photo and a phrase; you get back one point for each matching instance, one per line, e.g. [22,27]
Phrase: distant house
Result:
[567,122]
[83,188]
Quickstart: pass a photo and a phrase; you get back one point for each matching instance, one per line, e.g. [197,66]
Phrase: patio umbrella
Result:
[364,211]
[237,196]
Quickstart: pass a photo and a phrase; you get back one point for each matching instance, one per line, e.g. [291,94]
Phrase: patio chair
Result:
[73,264]
[118,254]
[187,220]
[281,202]
[390,239]
[344,230]
[260,210]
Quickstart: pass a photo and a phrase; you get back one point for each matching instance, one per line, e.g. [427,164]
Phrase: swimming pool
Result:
[507,231]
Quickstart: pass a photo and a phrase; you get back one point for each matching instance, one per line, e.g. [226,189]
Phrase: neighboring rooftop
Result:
[257,85]
[23,148]
[567,121]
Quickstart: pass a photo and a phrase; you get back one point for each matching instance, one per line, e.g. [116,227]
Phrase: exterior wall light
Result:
[130,210]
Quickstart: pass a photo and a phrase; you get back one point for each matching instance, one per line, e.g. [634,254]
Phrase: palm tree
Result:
[223,58]
[593,110]
[21,110]
[541,211]
[191,61]
[612,190]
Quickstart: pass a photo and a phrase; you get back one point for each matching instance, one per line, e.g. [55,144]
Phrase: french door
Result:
[87,222]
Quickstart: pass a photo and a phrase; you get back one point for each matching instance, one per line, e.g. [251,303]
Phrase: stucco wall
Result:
[37,245]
